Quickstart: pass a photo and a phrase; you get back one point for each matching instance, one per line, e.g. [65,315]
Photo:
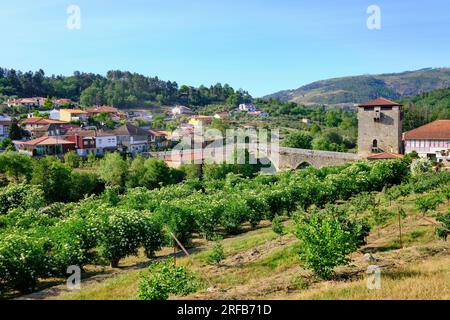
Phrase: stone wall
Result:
[387,131]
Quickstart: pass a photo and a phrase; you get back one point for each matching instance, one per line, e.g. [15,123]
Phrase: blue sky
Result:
[259,45]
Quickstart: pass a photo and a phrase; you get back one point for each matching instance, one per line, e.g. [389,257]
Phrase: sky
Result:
[261,46]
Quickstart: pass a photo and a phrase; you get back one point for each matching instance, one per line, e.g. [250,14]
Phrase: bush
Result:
[20,196]
[427,202]
[277,226]
[420,166]
[72,159]
[22,260]
[163,278]
[217,253]
[442,230]
[326,242]
[122,232]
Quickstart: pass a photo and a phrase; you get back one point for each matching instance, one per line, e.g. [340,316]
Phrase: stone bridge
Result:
[291,158]
[280,158]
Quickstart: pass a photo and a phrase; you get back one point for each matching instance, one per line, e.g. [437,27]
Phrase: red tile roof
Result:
[380,102]
[437,130]
[107,109]
[39,120]
[44,141]
[384,155]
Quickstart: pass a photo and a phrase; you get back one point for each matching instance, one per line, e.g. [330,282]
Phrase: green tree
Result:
[299,139]
[15,132]
[326,242]
[54,177]
[113,170]
[72,159]
[16,166]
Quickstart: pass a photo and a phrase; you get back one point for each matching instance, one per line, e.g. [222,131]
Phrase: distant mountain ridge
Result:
[354,89]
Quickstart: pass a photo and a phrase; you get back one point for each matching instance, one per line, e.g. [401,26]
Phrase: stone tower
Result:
[379,127]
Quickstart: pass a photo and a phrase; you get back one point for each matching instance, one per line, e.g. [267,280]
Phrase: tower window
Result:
[375,145]
[377,115]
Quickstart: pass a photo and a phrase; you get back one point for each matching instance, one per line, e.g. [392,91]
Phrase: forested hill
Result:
[120,89]
[349,90]
[425,108]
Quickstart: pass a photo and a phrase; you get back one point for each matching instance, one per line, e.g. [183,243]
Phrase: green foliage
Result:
[54,178]
[299,139]
[326,242]
[420,166]
[217,253]
[427,203]
[163,279]
[443,229]
[72,159]
[113,170]
[22,261]
[16,166]
[121,233]
[277,226]
[20,196]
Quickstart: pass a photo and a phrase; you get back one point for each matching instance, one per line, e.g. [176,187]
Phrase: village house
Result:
[84,141]
[5,123]
[30,124]
[58,103]
[70,115]
[222,115]
[44,146]
[159,138]
[48,130]
[200,120]
[105,141]
[430,141]
[181,110]
[115,114]
[26,102]
[249,107]
[131,139]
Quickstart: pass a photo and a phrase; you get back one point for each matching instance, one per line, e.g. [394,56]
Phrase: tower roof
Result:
[379,102]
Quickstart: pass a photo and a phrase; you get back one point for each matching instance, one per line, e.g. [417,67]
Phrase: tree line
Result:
[121,89]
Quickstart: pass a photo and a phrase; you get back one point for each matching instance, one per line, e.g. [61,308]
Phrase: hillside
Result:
[259,264]
[349,90]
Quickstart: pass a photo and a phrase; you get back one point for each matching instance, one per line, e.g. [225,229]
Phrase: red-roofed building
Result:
[379,127]
[30,124]
[44,146]
[431,140]
[113,112]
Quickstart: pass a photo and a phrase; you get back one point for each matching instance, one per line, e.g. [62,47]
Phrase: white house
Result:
[105,140]
[179,110]
[54,114]
[249,107]
[4,128]
[429,141]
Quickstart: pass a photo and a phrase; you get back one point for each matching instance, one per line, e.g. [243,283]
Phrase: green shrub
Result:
[277,226]
[217,253]
[22,260]
[163,278]
[20,196]
[326,242]
[122,232]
